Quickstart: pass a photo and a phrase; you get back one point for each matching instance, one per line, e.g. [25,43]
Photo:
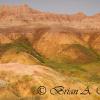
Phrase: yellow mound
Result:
[24,80]
[12,56]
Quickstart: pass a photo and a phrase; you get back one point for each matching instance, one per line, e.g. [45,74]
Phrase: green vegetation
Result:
[68,68]
[95,78]
[27,78]
[21,45]
[89,52]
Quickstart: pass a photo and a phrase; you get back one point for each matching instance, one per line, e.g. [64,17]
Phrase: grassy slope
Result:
[21,45]
[79,69]
[87,72]
[72,69]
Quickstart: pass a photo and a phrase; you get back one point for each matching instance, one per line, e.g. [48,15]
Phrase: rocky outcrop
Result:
[73,37]
[24,15]
[57,42]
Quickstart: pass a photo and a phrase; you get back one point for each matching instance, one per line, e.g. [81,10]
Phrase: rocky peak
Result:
[11,15]
[16,10]
[80,14]
[97,15]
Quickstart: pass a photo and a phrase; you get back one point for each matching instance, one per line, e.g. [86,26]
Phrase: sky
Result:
[89,7]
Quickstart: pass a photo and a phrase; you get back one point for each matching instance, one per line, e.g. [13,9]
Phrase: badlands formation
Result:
[41,48]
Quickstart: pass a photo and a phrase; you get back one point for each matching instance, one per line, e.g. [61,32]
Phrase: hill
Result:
[42,48]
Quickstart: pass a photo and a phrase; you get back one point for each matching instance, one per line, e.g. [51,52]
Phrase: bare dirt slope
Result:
[30,77]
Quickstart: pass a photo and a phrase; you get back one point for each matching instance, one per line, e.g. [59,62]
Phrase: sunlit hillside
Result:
[42,49]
